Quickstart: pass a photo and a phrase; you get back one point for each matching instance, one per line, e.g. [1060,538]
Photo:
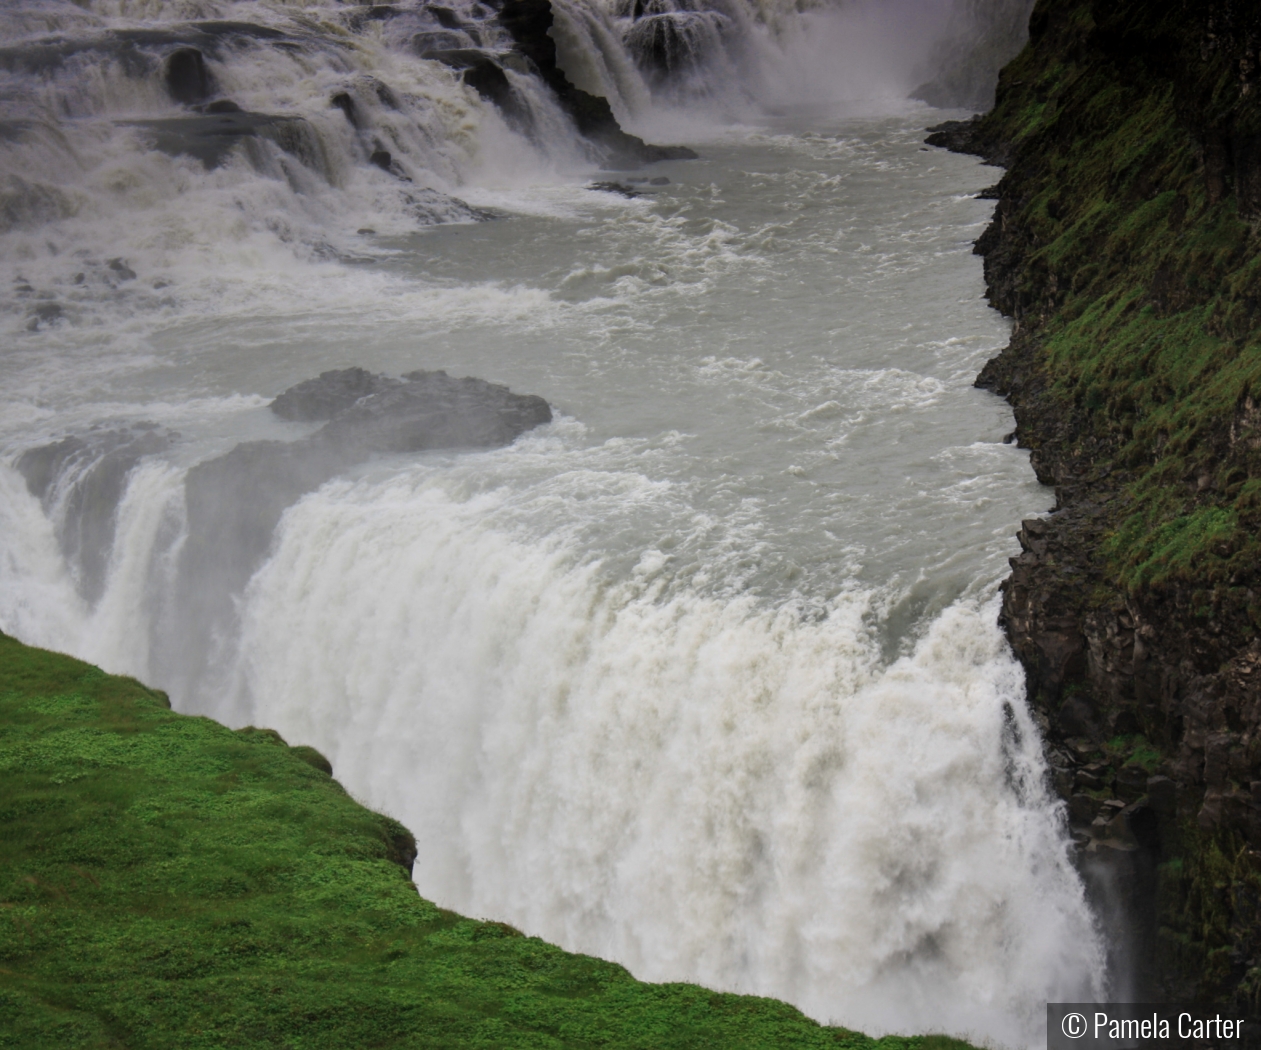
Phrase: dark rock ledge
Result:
[528,22]
[1124,246]
[235,501]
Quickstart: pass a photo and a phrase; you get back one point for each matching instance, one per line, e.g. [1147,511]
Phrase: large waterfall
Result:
[696,669]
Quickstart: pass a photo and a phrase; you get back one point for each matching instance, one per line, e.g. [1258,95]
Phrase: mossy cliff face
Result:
[167,882]
[1126,246]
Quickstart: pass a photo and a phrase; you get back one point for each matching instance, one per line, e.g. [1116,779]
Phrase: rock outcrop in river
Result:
[236,500]
[1125,246]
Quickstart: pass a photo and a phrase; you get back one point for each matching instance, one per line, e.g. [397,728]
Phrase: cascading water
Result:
[703,674]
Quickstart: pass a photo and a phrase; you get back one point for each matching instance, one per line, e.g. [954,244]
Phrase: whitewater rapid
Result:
[704,676]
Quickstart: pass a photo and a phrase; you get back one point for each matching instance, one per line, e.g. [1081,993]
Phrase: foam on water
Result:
[702,787]
[703,676]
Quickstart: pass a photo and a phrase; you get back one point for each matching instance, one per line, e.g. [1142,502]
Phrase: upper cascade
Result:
[155,136]
[393,106]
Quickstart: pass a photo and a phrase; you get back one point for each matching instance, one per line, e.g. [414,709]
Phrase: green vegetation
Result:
[1201,894]
[1140,276]
[166,882]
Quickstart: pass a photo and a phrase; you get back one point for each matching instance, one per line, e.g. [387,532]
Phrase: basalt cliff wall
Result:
[1126,246]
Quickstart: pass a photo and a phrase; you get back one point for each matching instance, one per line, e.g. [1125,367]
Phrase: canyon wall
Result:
[1124,245]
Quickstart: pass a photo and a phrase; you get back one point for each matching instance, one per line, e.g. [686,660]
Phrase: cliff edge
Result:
[168,882]
[1125,246]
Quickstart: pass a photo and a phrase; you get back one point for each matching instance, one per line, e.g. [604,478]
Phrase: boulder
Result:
[329,393]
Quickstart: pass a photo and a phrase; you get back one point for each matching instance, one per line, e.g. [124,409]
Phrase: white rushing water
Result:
[704,676]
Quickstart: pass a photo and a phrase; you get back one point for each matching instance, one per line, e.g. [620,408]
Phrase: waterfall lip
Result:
[40,54]
[461,57]
[207,137]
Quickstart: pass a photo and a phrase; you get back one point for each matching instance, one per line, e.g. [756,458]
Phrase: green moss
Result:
[1208,906]
[166,882]
[1150,333]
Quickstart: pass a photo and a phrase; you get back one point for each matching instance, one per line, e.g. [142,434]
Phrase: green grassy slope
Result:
[167,882]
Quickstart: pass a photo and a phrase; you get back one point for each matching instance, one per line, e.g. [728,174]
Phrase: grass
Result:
[167,882]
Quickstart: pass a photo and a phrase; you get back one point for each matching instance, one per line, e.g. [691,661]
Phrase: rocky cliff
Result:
[1125,246]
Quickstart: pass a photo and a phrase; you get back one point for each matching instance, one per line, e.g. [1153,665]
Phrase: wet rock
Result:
[1131,783]
[620,188]
[382,159]
[346,104]
[432,410]
[432,43]
[1089,781]
[187,78]
[491,82]
[669,44]
[446,18]
[222,105]
[1076,717]
[458,57]
[121,269]
[529,23]
[1162,796]
[329,393]
[235,501]
[1166,662]
[83,477]
[1082,809]
[42,314]
[428,206]
[958,136]
[211,136]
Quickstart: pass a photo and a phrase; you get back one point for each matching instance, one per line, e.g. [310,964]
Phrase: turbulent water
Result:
[704,675]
